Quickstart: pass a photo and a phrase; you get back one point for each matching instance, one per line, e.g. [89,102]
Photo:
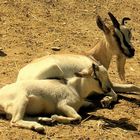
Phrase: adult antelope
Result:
[35,97]
[116,42]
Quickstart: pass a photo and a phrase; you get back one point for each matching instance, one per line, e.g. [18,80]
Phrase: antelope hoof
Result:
[39,129]
[75,121]
[59,119]
[46,121]
[54,118]
[106,101]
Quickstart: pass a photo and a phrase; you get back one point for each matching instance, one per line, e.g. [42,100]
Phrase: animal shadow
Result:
[96,100]
[122,123]
[130,99]
[109,123]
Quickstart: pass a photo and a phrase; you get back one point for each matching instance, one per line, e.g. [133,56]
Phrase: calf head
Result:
[99,73]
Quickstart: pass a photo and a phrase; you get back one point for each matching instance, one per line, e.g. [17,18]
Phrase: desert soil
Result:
[28,30]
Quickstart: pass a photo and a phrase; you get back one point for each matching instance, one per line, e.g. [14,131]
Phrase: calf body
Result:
[38,97]
[51,97]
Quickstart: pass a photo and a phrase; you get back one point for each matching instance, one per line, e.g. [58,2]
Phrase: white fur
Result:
[52,97]
[54,66]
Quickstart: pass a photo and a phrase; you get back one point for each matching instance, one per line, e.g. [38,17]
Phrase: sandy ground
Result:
[28,30]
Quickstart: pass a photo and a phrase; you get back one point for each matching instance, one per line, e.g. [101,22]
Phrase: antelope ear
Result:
[102,25]
[125,19]
[114,20]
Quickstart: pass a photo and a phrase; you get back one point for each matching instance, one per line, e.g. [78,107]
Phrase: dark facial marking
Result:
[96,78]
[131,50]
[100,83]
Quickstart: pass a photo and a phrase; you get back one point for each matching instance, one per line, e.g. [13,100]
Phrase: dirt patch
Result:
[30,28]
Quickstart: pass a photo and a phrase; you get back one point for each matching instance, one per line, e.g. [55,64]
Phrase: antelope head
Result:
[118,36]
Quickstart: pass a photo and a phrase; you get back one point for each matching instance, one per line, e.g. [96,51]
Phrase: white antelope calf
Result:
[48,96]
[116,42]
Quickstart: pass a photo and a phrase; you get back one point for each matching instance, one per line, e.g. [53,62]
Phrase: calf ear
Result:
[78,74]
[102,25]
[82,74]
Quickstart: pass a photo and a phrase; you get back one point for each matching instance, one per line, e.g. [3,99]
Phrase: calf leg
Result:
[29,125]
[58,118]
[18,111]
[46,120]
[88,104]
[67,110]
[107,100]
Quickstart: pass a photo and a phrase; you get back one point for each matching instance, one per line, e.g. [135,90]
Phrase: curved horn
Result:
[125,19]
[114,20]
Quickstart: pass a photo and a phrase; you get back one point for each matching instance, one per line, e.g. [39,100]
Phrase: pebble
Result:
[55,48]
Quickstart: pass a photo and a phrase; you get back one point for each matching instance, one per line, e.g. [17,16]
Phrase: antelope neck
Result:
[102,53]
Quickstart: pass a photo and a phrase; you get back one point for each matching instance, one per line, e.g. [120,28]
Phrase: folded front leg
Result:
[68,111]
